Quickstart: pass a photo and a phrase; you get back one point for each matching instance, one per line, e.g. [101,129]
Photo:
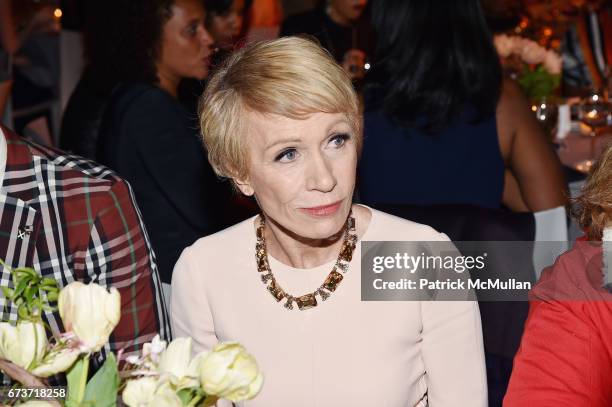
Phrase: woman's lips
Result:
[324,210]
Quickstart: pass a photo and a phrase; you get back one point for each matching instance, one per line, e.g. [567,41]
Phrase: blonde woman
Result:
[281,121]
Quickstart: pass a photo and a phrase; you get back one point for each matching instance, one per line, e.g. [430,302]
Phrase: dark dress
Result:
[460,164]
[151,141]
[335,38]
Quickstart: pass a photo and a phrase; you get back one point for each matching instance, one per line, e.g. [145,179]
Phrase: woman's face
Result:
[302,172]
[225,27]
[186,45]
[348,10]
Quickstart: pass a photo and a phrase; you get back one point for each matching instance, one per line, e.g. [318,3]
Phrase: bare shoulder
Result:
[513,116]
[512,104]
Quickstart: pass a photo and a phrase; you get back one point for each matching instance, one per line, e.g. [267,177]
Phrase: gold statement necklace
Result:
[330,284]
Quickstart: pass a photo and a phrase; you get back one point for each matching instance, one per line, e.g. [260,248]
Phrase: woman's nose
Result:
[237,24]
[205,37]
[320,176]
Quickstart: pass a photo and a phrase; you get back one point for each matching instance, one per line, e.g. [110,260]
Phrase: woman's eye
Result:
[192,30]
[287,155]
[339,140]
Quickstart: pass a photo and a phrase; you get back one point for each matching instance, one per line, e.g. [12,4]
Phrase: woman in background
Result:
[343,28]
[224,21]
[441,127]
[150,139]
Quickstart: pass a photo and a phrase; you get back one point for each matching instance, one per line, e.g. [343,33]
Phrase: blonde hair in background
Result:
[292,77]
[593,208]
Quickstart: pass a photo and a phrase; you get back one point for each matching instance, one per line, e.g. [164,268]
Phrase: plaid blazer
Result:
[74,220]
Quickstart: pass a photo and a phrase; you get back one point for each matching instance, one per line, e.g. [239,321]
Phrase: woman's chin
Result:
[201,74]
[317,228]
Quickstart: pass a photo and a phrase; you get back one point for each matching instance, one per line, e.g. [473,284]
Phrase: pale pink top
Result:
[344,352]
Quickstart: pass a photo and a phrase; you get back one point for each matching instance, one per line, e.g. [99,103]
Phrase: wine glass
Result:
[594,111]
[546,112]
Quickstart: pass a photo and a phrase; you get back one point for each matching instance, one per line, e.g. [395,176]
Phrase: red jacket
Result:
[565,358]
[74,220]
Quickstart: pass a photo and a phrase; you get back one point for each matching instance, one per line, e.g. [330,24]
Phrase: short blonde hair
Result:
[593,208]
[292,77]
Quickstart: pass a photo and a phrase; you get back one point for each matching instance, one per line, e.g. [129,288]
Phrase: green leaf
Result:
[27,270]
[21,286]
[49,282]
[186,395]
[8,293]
[30,292]
[101,391]
[74,379]
[52,296]
[23,312]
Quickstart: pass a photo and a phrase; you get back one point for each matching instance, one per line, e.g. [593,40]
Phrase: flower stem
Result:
[83,381]
[194,401]
[209,401]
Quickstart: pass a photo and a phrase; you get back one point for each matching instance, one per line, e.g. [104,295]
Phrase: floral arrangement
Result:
[536,68]
[163,375]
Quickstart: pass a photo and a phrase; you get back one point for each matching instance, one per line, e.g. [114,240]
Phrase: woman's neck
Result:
[302,253]
[298,252]
[169,83]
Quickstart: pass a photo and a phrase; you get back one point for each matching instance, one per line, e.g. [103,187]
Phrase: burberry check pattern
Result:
[74,220]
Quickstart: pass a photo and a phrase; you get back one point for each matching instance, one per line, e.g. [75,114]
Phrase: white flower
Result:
[90,312]
[24,344]
[165,396]
[56,361]
[532,53]
[154,348]
[518,43]
[229,372]
[133,359]
[503,44]
[139,392]
[175,363]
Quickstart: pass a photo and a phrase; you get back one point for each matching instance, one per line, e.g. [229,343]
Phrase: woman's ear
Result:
[244,187]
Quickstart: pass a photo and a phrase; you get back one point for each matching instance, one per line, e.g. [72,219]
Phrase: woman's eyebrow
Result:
[283,141]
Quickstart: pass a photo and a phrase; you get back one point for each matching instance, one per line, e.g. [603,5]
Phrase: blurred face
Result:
[347,10]
[225,27]
[186,45]
[302,172]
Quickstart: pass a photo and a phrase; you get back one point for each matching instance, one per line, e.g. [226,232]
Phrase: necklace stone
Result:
[330,284]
